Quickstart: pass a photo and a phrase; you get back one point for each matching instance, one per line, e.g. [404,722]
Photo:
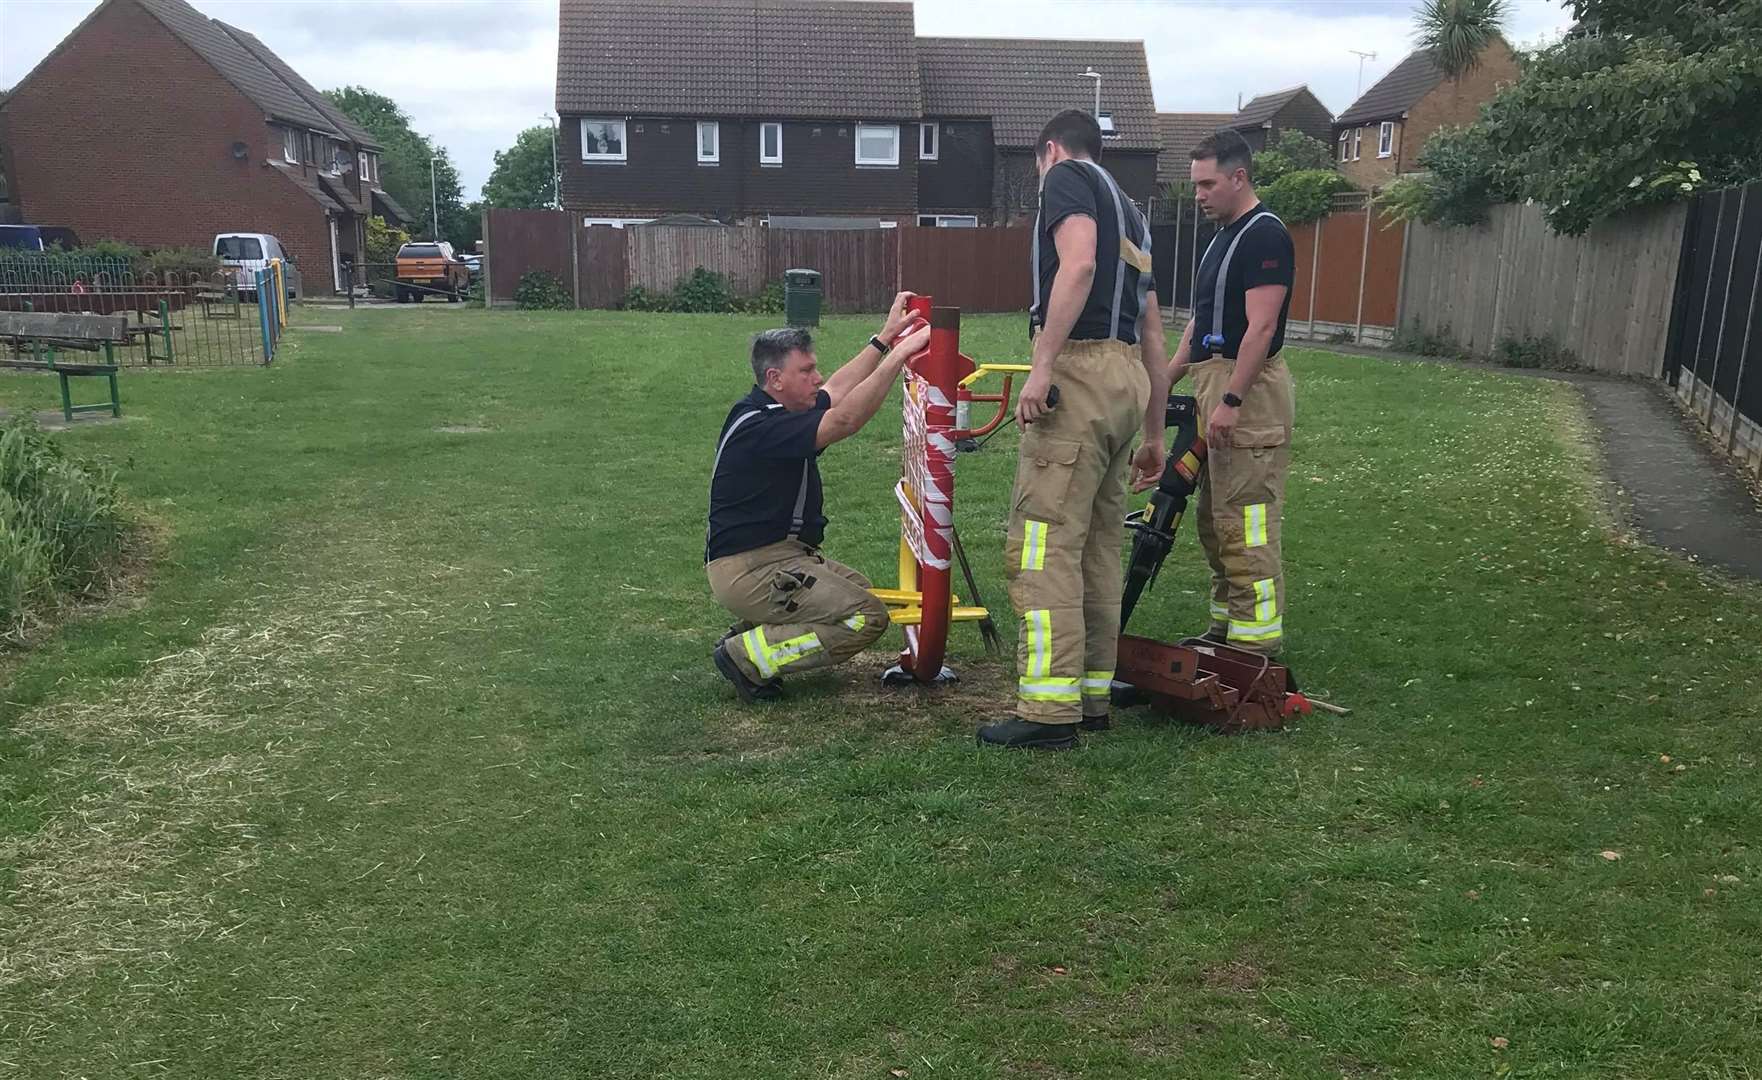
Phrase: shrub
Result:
[1304,195]
[62,525]
[539,290]
[185,262]
[705,291]
[1535,353]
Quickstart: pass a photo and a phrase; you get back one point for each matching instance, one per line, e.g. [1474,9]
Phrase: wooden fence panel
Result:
[518,241]
[1605,295]
[972,269]
[859,268]
[603,265]
[661,256]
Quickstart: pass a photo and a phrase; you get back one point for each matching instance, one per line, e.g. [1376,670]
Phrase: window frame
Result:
[290,145]
[597,158]
[934,130]
[1386,139]
[714,157]
[857,146]
[765,159]
[1345,144]
[1357,143]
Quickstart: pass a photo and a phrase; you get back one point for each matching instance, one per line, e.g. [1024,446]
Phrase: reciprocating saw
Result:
[1153,527]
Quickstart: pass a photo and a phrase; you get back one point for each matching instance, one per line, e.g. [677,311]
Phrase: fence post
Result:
[1401,279]
[575,257]
[1315,274]
[263,319]
[165,329]
[1363,271]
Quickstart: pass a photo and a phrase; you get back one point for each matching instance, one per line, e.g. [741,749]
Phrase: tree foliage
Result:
[523,178]
[1294,152]
[1643,103]
[1304,195]
[404,165]
[1458,31]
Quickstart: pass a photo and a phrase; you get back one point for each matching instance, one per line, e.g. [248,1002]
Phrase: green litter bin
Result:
[801,297]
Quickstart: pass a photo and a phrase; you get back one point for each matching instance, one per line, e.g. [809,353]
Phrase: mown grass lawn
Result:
[407,760]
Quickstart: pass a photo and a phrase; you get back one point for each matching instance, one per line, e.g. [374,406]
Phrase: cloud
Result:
[473,74]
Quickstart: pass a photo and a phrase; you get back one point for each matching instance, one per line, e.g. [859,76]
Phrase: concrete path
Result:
[1671,487]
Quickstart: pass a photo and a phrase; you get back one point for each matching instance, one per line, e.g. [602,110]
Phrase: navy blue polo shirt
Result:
[1252,251]
[765,485]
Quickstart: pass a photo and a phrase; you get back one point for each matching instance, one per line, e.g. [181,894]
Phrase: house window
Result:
[709,142]
[948,221]
[290,146]
[1105,120]
[1344,135]
[877,144]
[1357,143]
[770,144]
[929,141]
[602,140]
[615,222]
[361,164]
[1386,139]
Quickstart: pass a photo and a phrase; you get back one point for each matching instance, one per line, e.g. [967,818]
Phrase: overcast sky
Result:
[496,59]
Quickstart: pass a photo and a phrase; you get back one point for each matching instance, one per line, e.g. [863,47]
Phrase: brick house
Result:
[155,125]
[1181,132]
[1381,135]
[1268,116]
[1010,88]
[696,109]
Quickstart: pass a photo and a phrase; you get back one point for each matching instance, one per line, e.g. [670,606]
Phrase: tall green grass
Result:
[62,528]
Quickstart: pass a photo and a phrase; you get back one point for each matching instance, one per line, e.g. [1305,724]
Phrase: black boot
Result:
[1027,735]
[744,688]
[1096,723]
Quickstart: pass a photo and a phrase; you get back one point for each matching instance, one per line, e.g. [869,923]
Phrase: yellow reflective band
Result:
[1033,545]
[1266,601]
[1254,524]
[856,622]
[1048,690]
[1256,631]
[1038,624]
[758,652]
[794,649]
[1219,611]
[1097,683]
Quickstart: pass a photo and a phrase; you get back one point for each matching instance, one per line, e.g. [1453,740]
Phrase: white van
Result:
[243,254]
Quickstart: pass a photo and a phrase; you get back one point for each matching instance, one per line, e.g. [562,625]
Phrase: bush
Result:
[187,262]
[61,525]
[539,290]
[1305,195]
[1535,353]
[1294,152]
[704,292]
[1411,339]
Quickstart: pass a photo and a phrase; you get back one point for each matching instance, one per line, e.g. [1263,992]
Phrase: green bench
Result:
[37,338]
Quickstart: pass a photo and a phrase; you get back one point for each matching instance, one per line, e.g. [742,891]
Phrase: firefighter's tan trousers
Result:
[1241,502]
[1062,556]
[807,611]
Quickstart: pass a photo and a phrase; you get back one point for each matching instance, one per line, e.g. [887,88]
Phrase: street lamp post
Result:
[556,180]
[1091,73]
[433,200]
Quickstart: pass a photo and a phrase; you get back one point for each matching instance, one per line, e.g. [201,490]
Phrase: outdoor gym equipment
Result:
[1196,680]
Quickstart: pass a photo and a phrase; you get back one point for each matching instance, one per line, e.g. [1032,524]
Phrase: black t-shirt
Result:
[765,484]
[1263,256]
[1082,187]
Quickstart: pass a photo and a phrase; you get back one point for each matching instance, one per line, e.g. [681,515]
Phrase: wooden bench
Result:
[219,303]
[44,334]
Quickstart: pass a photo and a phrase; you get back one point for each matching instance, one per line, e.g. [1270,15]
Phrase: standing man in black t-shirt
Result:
[1097,337]
[1241,298]
[797,609]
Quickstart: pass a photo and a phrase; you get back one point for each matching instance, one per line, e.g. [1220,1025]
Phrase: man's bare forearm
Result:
[862,402]
[1251,357]
[1153,351]
[1178,364]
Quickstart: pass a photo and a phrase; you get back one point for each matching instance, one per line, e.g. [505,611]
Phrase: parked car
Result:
[243,254]
[474,263]
[21,237]
[429,266]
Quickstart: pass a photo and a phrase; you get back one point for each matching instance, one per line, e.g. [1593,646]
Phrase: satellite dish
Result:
[239,150]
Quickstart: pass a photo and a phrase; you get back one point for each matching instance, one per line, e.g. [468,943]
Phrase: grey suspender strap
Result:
[801,501]
[1034,260]
[723,445]
[1119,281]
[1223,274]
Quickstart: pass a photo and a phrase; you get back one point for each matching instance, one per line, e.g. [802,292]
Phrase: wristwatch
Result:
[1232,400]
[880,347]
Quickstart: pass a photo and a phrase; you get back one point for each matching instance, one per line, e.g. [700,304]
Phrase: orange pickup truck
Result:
[428,268]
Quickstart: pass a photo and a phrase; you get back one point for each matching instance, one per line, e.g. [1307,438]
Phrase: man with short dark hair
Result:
[1098,337]
[1241,298]
[796,609]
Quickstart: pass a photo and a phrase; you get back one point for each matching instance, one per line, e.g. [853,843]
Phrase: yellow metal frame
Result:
[905,605]
[985,369]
